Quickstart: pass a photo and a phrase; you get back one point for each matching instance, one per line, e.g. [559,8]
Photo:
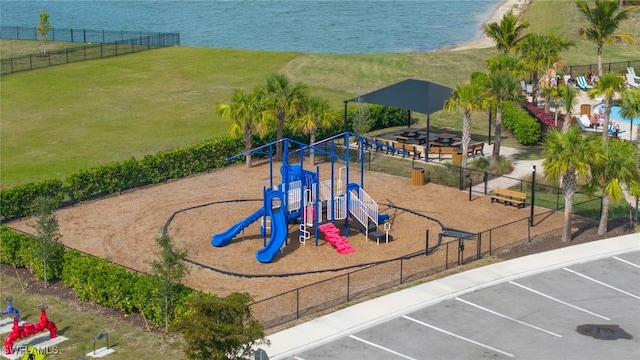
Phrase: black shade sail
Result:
[414,95]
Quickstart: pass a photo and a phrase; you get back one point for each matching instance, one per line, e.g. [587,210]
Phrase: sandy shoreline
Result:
[517,6]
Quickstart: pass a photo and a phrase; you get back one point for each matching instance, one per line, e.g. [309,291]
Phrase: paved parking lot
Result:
[581,302]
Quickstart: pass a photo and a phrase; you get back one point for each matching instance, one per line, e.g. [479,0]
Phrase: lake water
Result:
[340,27]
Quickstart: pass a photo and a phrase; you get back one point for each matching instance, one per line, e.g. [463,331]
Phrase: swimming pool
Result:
[615,114]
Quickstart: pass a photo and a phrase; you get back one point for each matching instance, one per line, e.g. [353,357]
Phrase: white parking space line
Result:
[458,336]
[603,284]
[382,348]
[508,317]
[298,358]
[627,262]
[559,301]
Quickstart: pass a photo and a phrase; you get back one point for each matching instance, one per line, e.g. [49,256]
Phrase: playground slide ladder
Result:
[308,215]
[364,209]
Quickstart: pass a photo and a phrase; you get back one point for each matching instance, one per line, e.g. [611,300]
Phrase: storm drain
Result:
[603,332]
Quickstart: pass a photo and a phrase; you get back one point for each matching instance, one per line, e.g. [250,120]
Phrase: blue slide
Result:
[224,238]
[279,232]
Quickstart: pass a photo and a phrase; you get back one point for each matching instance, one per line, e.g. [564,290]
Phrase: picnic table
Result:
[445,137]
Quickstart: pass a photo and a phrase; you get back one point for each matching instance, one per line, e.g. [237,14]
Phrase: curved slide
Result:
[224,238]
[279,234]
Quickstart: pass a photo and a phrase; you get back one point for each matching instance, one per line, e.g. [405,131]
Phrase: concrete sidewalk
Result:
[328,328]
[521,170]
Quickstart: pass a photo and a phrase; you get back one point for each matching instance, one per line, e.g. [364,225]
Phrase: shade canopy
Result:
[414,95]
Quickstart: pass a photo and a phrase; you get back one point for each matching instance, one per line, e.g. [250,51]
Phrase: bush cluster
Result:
[381,117]
[524,128]
[19,250]
[114,177]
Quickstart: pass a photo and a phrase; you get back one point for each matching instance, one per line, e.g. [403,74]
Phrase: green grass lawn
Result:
[80,323]
[56,121]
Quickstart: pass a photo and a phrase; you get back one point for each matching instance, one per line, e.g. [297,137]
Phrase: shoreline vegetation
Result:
[517,6]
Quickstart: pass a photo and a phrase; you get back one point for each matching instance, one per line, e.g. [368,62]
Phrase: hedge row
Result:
[91,278]
[524,128]
[19,250]
[114,177]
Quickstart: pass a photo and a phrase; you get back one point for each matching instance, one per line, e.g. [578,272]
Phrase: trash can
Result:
[417,176]
[456,157]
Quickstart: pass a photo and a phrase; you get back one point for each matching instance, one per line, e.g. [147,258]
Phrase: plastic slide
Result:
[224,238]
[279,233]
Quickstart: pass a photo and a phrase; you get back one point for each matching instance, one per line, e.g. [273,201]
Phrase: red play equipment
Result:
[27,329]
[333,237]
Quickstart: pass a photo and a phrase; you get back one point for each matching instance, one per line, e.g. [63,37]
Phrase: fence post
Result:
[348,287]
[533,193]
[426,249]
[486,181]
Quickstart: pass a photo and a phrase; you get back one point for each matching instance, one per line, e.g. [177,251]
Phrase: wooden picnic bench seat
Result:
[411,150]
[401,138]
[436,148]
[476,147]
[509,197]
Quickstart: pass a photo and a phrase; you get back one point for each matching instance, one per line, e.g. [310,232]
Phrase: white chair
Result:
[632,71]
[585,124]
[633,82]
[583,84]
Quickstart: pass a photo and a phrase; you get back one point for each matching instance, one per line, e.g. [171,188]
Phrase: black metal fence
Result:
[619,67]
[89,36]
[358,284]
[100,44]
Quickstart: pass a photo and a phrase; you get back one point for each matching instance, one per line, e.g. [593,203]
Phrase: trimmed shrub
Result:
[19,201]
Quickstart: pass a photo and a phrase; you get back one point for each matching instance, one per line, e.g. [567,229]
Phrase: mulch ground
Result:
[123,229]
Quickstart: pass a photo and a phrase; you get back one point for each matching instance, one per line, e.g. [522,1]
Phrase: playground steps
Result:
[333,237]
[379,236]
[370,227]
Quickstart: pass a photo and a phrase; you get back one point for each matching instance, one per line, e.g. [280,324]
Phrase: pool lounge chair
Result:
[582,83]
[526,88]
[632,71]
[585,124]
[633,82]
[612,131]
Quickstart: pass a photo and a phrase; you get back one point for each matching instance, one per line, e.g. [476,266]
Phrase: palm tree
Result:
[506,62]
[541,53]
[630,107]
[604,19]
[608,86]
[502,88]
[316,113]
[284,100]
[620,167]
[246,114]
[569,99]
[568,156]
[468,98]
[506,33]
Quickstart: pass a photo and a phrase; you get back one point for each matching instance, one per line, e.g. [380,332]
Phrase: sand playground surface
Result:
[123,228]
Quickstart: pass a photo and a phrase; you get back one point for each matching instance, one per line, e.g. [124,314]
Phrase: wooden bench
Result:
[476,148]
[510,197]
[440,150]
[411,150]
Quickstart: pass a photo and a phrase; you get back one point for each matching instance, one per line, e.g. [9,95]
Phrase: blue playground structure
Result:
[303,199]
